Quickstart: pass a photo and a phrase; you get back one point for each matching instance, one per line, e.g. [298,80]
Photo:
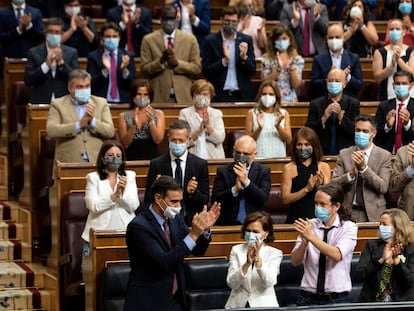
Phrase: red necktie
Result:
[398,132]
[168,238]
[306,34]
[170,42]
[114,82]
[130,46]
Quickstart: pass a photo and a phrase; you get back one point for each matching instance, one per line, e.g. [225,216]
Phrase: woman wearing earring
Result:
[254,265]
[268,123]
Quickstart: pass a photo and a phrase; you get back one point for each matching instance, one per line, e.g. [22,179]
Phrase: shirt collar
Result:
[224,38]
[172,35]
[132,8]
[405,102]
[159,218]
[336,223]
[183,157]
[15,7]
[340,54]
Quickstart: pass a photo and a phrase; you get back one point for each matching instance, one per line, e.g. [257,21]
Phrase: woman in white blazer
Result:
[254,266]
[207,126]
[111,192]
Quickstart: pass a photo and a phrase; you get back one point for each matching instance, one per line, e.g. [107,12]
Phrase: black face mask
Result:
[230,29]
[168,25]
[304,154]
[241,159]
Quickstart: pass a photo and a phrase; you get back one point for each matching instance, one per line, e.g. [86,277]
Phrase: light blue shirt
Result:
[231,83]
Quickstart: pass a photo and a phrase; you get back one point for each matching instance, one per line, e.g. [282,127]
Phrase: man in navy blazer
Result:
[387,114]
[228,60]
[336,57]
[18,36]
[48,65]
[244,180]
[158,241]
[195,180]
[194,18]
[99,66]
[141,23]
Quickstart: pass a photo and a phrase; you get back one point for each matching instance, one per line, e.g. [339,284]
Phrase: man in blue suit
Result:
[21,28]
[228,60]
[134,21]
[336,57]
[158,241]
[48,65]
[194,18]
[112,68]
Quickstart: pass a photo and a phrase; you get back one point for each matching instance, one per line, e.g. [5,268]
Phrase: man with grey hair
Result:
[79,122]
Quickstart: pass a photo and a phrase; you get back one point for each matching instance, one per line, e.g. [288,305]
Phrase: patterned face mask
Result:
[201,101]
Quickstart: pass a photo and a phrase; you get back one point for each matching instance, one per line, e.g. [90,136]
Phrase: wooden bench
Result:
[109,247]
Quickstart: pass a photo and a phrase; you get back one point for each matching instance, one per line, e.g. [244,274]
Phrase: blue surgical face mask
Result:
[177,149]
[322,213]
[282,45]
[112,163]
[385,233]
[53,40]
[250,237]
[401,91]
[334,88]
[83,95]
[362,139]
[395,35]
[111,44]
[405,8]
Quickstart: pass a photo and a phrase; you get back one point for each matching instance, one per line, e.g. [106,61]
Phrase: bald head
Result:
[245,146]
[336,75]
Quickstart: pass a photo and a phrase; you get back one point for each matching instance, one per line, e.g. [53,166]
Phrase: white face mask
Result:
[72,10]
[268,100]
[335,44]
[170,212]
[129,2]
[355,11]
[309,3]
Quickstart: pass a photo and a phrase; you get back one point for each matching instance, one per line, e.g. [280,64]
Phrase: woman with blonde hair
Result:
[282,63]
[268,123]
[387,265]
[207,126]
[303,175]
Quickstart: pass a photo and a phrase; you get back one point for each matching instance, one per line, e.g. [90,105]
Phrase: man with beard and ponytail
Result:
[79,122]
[336,57]
[324,247]
[302,176]
[111,67]
[228,60]
[241,187]
[363,171]
[158,240]
[332,115]
[169,59]
[190,171]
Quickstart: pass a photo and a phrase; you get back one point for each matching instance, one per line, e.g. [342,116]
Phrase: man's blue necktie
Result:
[178,172]
[242,207]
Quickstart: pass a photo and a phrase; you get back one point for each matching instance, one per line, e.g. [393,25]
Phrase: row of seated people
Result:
[167,75]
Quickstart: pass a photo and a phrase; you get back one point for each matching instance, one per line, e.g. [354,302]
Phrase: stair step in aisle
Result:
[23,285]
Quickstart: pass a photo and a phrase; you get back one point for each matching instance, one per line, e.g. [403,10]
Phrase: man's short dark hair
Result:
[180,125]
[166,8]
[366,117]
[403,73]
[230,10]
[110,25]
[162,185]
[55,21]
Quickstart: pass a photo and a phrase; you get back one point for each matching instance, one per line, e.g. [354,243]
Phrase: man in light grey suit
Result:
[364,172]
[294,15]
[48,65]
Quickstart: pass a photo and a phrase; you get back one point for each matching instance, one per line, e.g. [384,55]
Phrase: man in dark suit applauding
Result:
[158,241]
[21,28]
[48,65]
[112,68]
[190,171]
[241,187]
[394,116]
[228,60]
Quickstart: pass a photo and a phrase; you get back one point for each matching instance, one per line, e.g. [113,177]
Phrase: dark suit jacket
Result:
[370,272]
[100,83]
[139,30]
[256,194]
[44,84]
[321,66]
[153,263]
[78,40]
[387,140]
[13,44]
[216,73]
[345,131]
[202,11]
[195,166]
